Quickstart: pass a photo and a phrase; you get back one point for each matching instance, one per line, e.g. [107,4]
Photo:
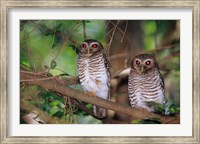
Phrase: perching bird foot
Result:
[143,110]
[90,93]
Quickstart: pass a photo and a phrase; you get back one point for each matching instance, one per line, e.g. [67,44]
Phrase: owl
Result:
[93,71]
[145,83]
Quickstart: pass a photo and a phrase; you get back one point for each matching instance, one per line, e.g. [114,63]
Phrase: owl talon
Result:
[143,110]
[59,79]
[90,94]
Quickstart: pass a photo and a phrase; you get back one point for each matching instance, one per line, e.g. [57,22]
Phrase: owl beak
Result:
[141,69]
[88,51]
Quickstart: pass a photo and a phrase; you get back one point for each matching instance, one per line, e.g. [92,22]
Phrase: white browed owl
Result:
[145,82]
[93,71]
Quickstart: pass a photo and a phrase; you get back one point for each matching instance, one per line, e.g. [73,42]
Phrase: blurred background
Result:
[53,45]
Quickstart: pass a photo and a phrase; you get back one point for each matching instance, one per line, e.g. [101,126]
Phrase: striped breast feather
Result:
[155,91]
[93,68]
[146,88]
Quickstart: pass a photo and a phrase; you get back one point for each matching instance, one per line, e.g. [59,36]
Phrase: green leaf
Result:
[172,110]
[54,103]
[89,106]
[46,107]
[61,105]
[135,121]
[159,108]
[149,43]
[54,110]
[150,27]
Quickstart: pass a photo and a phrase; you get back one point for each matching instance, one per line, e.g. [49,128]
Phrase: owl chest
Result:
[148,89]
[92,74]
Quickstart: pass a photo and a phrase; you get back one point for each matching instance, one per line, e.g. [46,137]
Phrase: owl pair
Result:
[145,82]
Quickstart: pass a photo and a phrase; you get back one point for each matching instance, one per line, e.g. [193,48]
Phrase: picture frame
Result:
[4,59]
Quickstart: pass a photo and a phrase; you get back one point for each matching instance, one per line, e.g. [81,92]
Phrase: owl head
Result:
[90,47]
[144,63]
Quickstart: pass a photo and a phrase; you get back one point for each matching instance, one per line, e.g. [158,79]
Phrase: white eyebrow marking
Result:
[94,43]
[137,59]
[147,60]
[85,43]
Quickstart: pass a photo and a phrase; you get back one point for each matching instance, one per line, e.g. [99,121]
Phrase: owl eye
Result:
[137,62]
[148,62]
[94,45]
[83,46]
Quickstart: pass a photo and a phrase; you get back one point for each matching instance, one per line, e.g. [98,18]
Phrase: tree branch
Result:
[54,85]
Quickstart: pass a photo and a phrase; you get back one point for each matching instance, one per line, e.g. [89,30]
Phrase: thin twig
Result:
[53,39]
[112,36]
[124,31]
[159,49]
[111,39]
[35,73]
[82,107]
[62,47]
[36,25]
[156,35]
[151,51]
[84,30]
[107,24]
[120,30]
[67,80]
[29,50]
[108,33]
[118,56]
[40,79]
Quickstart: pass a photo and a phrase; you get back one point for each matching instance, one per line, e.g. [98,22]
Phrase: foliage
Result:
[52,46]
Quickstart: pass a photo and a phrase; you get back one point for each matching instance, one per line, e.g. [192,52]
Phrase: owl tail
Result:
[99,112]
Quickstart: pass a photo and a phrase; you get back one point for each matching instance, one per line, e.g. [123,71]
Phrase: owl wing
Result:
[107,62]
[162,83]
[107,65]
